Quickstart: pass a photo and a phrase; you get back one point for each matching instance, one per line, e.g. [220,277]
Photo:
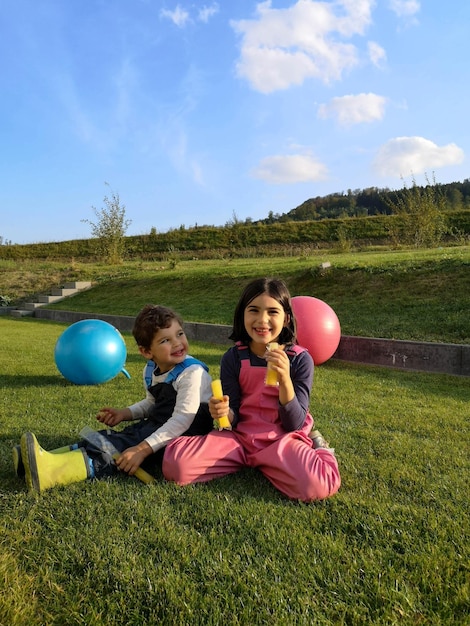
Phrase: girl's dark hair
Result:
[150,320]
[276,289]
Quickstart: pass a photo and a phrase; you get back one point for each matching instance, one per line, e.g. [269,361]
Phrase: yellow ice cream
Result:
[217,392]
[271,375]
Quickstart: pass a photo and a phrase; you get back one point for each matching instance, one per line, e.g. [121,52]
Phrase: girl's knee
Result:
[173,471]
[323,486]
[322,491]
[180,461]
[171,468]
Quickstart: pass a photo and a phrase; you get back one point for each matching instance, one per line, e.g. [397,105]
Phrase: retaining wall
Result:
[443,358]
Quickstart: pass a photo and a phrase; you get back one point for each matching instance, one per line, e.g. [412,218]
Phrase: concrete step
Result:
[69,289]
[79,284]
[63,292]
[49,299]
[21,313]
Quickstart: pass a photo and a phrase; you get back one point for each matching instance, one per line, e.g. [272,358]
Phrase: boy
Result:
[177,392]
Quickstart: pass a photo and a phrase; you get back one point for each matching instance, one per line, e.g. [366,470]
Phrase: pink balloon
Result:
[318,327]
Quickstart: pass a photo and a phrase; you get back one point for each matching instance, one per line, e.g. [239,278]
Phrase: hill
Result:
[367,202]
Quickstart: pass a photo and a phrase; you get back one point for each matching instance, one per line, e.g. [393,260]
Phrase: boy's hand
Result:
[132,458]
[111,417]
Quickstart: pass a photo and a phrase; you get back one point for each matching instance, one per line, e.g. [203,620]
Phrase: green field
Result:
[392,547]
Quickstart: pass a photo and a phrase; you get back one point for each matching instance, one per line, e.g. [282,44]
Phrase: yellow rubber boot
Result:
[44,470]
[18,460]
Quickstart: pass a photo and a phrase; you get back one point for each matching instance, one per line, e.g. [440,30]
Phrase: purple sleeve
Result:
[293,414]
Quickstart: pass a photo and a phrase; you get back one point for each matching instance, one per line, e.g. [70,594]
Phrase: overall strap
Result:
[243,351]
[148,373]
[175,372]
[295,349]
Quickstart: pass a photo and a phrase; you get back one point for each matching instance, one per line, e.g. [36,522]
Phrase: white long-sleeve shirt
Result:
[192,386]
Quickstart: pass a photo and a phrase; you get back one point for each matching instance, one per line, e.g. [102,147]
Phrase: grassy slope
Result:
[419,295]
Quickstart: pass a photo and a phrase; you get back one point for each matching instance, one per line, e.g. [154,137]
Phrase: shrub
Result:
[110,229]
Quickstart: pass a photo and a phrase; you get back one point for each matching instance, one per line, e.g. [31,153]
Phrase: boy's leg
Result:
[121,440]
[200,459]
[299,471]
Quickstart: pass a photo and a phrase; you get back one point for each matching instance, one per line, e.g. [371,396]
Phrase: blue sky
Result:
[206,112]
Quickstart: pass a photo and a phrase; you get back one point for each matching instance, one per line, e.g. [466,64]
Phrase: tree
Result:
[110,229]
[455,198]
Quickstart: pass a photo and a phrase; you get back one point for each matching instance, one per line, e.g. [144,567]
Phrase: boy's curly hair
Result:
[150,320]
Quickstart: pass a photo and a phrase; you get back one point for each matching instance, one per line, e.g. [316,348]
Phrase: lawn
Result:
[392,547]
[420,295]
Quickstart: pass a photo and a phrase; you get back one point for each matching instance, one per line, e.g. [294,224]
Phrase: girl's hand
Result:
[219,408]
[110,416]
[279,362]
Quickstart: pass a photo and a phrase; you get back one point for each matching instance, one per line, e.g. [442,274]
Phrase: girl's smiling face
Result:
[264,320]
[168,348]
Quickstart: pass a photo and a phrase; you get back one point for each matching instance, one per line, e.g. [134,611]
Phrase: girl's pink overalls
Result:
[287,459]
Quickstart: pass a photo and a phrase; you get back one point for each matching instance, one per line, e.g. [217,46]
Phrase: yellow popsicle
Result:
[217,392]
[140,473]
[271,375]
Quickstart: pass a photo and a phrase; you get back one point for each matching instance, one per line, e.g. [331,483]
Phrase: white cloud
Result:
[206,13]
[403,156]
[288,169]
[179,16]
[283,47]
[349,110]
[405,8]
[377,54]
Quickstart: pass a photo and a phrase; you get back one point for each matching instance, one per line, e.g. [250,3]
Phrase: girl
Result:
[270,424]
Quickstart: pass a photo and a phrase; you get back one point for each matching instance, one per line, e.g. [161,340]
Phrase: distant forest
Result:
[365,202]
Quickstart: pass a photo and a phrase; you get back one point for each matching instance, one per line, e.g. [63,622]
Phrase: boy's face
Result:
[169,347]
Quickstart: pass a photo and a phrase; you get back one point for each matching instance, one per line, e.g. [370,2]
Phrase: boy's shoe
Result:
[318,440]
[18,459]
[18,462]
[44,470]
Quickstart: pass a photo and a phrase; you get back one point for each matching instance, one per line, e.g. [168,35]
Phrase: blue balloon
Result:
[90,352]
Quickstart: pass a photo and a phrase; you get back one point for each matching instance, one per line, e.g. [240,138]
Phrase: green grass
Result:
[421,295]
[392,547]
